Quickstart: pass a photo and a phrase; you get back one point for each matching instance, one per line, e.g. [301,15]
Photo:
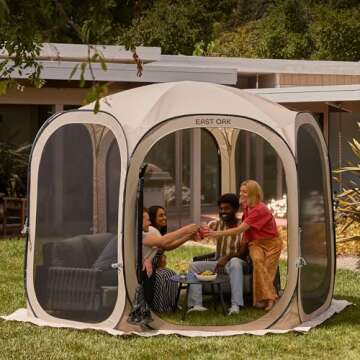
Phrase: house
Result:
[329,89]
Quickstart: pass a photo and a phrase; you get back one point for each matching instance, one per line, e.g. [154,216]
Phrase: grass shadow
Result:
[212,316]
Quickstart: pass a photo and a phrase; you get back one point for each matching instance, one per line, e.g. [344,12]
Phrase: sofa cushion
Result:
[71,252]
[108,256]
[96,243]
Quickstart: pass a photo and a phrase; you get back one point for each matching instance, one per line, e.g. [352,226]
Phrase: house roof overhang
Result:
[61,70]
[331,93]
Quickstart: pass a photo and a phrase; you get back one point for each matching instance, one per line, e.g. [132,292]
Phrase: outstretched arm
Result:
[173,239]
[171,245]
[228,232]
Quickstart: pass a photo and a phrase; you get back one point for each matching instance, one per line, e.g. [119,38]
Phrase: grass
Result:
[337,338]
[213,316]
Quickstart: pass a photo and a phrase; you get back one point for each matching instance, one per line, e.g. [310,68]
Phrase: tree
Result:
[240,43]
[296,29]
[342,44]
[26,24]
[283,33]
[291,29]
[178,25]
[247,11]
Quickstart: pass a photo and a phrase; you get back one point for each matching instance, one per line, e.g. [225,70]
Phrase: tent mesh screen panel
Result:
[314,221]
[257,159]
[168,180]
[77,222]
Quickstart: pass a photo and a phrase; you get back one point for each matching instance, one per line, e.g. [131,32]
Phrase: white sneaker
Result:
[197,308]
[234,310]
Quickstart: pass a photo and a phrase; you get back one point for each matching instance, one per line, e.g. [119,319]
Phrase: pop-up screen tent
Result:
[84,192]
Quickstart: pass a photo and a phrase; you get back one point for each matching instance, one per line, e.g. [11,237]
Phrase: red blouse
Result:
[261,221]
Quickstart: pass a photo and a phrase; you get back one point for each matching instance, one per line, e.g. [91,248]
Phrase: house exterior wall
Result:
[317,80]
[65,96]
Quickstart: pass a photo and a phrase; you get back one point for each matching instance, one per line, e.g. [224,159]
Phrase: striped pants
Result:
[165,291]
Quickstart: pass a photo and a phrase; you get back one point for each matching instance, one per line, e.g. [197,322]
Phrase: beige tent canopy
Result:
[83,201]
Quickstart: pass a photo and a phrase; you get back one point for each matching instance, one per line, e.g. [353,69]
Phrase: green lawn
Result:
[337,338]
[185,254]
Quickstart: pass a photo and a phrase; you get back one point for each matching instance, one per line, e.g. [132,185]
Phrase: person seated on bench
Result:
[153,240]
[228,251]
[261,234]
[165,290]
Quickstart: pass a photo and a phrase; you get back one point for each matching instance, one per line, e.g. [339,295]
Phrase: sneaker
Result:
[197,308]
[234,310]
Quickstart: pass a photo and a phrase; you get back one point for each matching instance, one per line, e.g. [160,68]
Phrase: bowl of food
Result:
[207,275]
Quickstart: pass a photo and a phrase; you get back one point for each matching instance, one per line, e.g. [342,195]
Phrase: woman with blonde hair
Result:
[261,235]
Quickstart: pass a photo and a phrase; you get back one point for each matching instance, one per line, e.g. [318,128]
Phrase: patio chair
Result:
[12,215]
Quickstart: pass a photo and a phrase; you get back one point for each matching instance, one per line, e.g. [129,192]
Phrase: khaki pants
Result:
[265,256]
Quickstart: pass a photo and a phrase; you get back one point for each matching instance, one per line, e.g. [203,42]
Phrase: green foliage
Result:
[177,25]
[292,29]
[95,93]
[246,11]
[342,44]
[202,49]
[284,32]
[25,24]
[239,43]
[341,4]
[13,169]
[19,26]
[185,254]
[281,33]
[348,208]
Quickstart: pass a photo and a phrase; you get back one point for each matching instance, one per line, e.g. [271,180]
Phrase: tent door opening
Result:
[159,149]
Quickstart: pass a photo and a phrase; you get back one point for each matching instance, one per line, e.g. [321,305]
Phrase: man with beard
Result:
[228,252]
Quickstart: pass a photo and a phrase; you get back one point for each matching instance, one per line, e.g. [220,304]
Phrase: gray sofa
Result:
[76,274]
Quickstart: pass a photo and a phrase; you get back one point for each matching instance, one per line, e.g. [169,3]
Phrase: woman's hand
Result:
[147,266]
[211,233]
[190,230]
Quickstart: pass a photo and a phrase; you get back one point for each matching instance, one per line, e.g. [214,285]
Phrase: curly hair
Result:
[231,199]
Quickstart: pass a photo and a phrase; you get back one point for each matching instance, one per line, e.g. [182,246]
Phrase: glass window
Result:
[314,221]
[76,223]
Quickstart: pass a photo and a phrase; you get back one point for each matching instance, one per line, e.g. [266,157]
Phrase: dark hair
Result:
[231,199]
[152,215]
